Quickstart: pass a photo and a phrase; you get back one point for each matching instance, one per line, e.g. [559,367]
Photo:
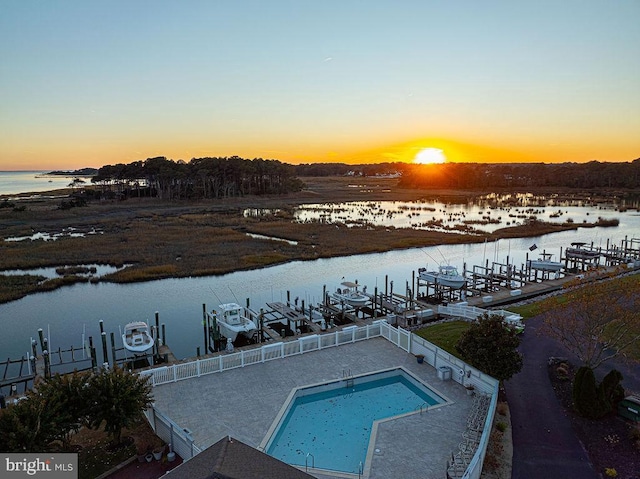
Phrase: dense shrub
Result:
[112,399]
[594,401]
[611,391]
[585,393]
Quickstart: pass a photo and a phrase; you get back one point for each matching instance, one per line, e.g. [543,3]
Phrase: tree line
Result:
[479,175]
[200,178]
[224,177]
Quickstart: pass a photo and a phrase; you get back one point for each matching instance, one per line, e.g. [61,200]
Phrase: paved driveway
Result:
[544,444]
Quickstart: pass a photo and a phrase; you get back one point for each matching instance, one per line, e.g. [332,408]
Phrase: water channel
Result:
[66,313]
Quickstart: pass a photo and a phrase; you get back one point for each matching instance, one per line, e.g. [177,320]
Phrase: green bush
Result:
[611,391]
[585,393]
[594,401]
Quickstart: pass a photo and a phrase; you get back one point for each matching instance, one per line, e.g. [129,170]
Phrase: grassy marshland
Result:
[180,239]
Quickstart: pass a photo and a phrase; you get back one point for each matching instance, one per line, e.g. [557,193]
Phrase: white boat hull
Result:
[232,332]
[355,301]
[443,280]
[136,338]
[232,320]
[350,294]
[545,265]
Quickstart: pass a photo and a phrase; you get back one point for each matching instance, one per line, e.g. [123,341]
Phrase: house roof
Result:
[232,459]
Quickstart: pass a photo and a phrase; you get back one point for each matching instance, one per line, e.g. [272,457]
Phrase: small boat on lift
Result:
[348,293]
[137,337]
[579,251]
[232,319]
[545,263]
[445,276]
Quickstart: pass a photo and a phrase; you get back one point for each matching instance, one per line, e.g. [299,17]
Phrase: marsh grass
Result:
[161,239]
[146,273]
[16,287]
[263,260]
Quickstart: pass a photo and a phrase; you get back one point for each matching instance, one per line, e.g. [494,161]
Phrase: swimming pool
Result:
[329,426]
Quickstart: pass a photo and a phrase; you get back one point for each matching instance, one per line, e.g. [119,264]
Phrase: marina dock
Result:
[417,303]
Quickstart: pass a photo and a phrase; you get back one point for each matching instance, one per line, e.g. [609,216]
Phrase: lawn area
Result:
[537,307]
[445,335]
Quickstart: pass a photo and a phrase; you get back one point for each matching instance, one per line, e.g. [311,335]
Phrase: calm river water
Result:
[14,182]
[65,313]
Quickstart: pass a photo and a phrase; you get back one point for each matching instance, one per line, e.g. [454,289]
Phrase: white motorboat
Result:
[348,293]
[544,263]
[232,320]
[445,276]
[137,337]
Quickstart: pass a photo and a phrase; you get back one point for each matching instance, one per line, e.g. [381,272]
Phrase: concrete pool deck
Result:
[244,402]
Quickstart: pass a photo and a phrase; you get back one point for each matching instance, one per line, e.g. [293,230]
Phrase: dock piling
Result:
[105,356]
[204,327]
[113,349]
[41,336]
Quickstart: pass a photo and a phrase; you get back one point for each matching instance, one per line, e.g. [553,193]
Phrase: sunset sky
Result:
[89,83]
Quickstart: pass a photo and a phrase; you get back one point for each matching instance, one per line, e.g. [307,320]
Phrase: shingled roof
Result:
[232,459]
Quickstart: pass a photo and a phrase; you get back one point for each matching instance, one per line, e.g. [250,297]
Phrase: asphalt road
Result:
[544,444]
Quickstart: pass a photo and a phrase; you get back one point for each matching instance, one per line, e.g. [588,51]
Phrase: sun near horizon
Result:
[430,156]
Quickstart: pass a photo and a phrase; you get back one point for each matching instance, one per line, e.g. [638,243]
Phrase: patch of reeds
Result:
[137,274]
[607,223]
[70,270]
[263,260]
[16,287]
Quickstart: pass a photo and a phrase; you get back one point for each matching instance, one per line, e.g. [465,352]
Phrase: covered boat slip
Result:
[244,402]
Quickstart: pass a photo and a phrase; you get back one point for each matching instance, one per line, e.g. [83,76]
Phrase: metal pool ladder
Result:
[346,375]
[306,462]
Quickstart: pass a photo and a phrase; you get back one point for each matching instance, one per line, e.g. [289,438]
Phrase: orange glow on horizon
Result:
[422,150]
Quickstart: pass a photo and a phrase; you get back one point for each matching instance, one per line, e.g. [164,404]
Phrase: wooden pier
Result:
[19,375]
[296,319]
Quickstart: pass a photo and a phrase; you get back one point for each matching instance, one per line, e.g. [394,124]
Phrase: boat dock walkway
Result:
[293,315]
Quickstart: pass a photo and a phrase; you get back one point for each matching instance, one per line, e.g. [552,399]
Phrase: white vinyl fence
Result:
[460,372]
[180,440]
[463,310]
[268,352]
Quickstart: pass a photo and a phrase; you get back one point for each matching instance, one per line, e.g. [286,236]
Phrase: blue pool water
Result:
[335,425]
